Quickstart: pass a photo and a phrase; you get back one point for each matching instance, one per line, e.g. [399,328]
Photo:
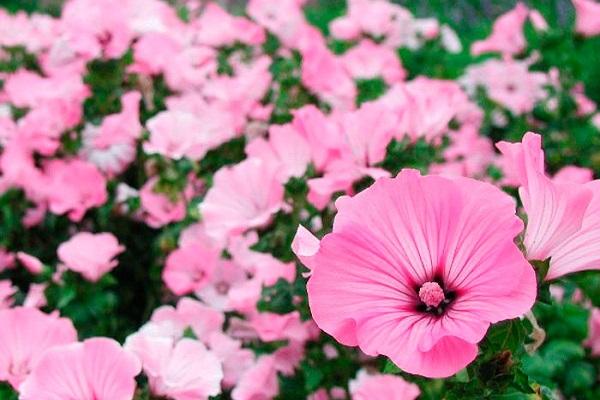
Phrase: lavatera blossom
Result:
[417,268]
[563,218]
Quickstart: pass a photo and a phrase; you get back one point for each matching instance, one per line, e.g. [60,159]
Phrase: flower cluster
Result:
[320,200]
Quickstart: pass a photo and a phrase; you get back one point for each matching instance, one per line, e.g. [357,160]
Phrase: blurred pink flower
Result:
[447,247]
[73,187]
[593,339]
[285,150]
[259,381]
[243,196]
[158,208]
[31,263]
[96,369]
[381,386]
[507,33]
[587,21]
[91,255]
[368,60]
[25,334]
[190,268]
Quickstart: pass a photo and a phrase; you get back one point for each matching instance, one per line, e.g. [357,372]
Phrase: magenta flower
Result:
[417,268]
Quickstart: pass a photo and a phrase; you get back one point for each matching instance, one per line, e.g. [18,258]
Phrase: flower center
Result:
[432,294]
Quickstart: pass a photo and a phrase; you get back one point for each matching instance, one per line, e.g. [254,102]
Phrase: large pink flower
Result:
[417,268]
[96,369]
[563,219]
[25,334]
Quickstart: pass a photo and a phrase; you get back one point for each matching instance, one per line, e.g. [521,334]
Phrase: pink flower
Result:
[587,21]
[217,28]
[243,196]
[236,360]
[324,74]
[227,276]
[25,334]
[593,339]
[190,268]
[562,218]
[73,187]
[182,370]
[368,60]
[92,255]
[167,321]
[177,134]
[508,82]
[507,34]
[31,263]
[158,208]
[259,381]
[453,236]
[285,150]
[366,387]
[96,369]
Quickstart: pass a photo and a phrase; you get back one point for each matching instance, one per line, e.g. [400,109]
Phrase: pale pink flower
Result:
[217,28]
[562,218]
[507,33]
[593,339]
[175,134]
[587,21]
[242,197]
[259,381]
[324,74]
[368,60]
[537,20]
[425,107]
[31,263]
[190,268]
[382,386]
[226,276]
[91,255]
[285,149]
[272,327]
[97,28]
[167,321]
[508,82]
[124,126]
[284,18]
[25,334]
[182,370]
[158,208]
[96,369]
[235,359]
[417,268]
[323,135]
[73,187]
